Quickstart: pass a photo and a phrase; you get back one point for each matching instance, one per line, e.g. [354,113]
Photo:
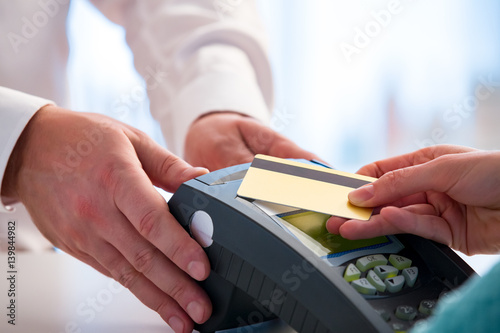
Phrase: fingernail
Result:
[195,311]
[176,324]
[197,270]
[361,194]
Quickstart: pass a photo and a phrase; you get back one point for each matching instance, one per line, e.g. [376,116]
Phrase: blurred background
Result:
[356,81]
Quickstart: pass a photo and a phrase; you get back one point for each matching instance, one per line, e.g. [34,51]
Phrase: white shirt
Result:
[196,56]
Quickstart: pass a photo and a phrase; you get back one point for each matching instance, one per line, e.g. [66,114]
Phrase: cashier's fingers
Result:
[148,212]
[89,260]
[162,272]
[263,140]
[146,291]
[163,168]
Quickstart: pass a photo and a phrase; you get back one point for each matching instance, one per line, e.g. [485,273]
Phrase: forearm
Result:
[195,60]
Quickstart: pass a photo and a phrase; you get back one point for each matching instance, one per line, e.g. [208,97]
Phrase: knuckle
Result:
[177,289]
[163,307]
[109,174]
[397,180]
[127,277]
[391,179]
[143,261]
[139,135]
[177,249]
[169,162]
[148,224]
[444,160]
[85,208]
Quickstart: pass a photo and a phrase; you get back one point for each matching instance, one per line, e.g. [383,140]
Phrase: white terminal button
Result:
[410,275]
[364,287]
[395,284]
[386,271]
[399,262]
[368,262]
[375,280]
[202,228]
[351,273]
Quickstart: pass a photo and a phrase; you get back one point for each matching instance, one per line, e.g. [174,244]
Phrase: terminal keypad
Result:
[381,275]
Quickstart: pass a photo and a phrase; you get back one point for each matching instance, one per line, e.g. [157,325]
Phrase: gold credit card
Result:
[304,186]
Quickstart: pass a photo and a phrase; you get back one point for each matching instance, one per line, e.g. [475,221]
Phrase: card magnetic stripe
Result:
[308,173]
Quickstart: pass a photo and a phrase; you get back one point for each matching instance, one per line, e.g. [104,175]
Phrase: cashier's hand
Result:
[450,194]
[222,139]
[87,182]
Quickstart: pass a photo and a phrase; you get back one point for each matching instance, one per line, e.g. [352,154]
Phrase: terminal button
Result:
[399,262]
[406,312]
[410,275]
[375,280]
[364,287]
[351,273]
[368,262]
[399,328]
[395,284]
[427,306]
[386,271]
[386,316]
[202,228]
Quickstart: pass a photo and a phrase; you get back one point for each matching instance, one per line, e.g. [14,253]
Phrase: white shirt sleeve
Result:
[196,56]
[16,109]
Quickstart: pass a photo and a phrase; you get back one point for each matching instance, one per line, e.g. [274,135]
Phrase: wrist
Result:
[9,188]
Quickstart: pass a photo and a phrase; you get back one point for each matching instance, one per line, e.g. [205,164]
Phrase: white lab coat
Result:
[196,56]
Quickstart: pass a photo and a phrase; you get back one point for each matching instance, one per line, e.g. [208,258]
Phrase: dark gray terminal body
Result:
[260,272]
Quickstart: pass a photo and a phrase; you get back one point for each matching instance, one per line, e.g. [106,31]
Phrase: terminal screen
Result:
[310,229]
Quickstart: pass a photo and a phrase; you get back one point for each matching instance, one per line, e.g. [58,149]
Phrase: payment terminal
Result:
[271,261]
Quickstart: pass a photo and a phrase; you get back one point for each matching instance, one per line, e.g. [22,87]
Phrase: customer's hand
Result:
[87,181]
[449,194]
[222,139]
